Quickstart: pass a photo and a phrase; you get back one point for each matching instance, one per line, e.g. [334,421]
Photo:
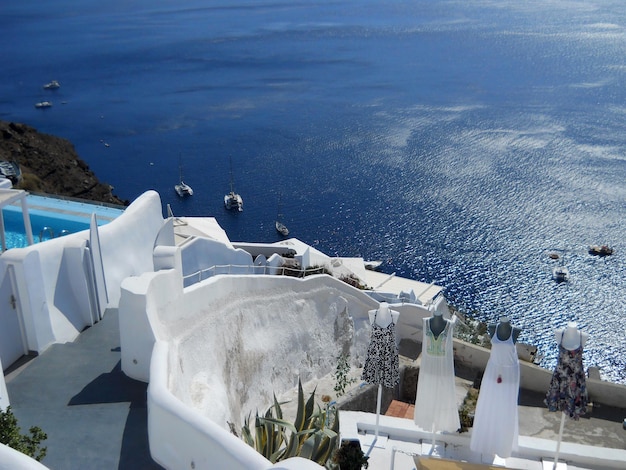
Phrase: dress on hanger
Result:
[381,362]
[435,401]
[496,424]
[568,386]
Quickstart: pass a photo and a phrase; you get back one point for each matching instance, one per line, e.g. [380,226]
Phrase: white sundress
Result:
[495,429]
[435,401]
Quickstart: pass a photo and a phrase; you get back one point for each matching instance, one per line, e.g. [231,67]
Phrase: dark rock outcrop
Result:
[51,165]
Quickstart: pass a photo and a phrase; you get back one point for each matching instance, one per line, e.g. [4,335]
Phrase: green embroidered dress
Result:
[435,402]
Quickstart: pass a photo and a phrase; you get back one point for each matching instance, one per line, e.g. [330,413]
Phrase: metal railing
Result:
[247,269]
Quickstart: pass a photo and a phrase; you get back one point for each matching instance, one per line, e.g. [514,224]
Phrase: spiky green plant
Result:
[313,434]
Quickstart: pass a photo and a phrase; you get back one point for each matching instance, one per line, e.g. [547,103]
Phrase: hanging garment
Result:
[568,386]
[496,425]
[435,401]
[381,363]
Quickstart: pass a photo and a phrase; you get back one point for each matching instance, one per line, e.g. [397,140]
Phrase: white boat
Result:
[53,85]
[43,104]
[232,200]
[600,250]
[280,226]
[560,274]
[372,265]
[182,188]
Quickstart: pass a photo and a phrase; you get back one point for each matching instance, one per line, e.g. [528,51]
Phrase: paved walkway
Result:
[94,415]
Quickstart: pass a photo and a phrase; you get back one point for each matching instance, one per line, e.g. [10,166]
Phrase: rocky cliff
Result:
[50,165]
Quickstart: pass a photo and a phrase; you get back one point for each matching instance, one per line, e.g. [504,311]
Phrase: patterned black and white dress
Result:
[568,386]
[381,363]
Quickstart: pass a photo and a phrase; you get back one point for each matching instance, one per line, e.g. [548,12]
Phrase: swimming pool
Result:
[53,217]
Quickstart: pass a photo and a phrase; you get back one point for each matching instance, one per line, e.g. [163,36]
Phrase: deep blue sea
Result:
[459,141]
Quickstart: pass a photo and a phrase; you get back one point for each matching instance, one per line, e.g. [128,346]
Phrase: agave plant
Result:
[313,434]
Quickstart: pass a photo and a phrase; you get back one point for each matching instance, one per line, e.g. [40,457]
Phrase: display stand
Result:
[550,465]
[555,465]
[434,449]
[376,440]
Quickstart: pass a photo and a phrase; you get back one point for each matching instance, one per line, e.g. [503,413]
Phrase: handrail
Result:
[44,230]
[386,279]
[251,269]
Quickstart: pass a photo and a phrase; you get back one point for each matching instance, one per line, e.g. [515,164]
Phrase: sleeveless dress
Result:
[568,386]
[496,425]
[436,408]
[381,362]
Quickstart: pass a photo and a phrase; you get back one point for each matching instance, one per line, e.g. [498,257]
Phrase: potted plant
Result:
[350,456]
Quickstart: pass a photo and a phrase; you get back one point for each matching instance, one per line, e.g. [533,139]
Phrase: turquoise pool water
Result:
[52,217]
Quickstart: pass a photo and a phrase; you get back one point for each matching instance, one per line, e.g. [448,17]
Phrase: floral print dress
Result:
[568,387]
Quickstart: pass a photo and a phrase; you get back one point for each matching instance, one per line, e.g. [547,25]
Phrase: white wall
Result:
[200,254]
[180,437]
[221,348]
[11,459]
[128,242]
[4,395]
[53,290]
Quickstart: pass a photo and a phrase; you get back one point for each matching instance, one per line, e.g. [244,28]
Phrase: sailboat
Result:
[182,188]
[232,200]
[560,273]
[280,226]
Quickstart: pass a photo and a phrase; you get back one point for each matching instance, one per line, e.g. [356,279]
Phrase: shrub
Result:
[11,436]
[342,377]
[30,182]
[350,456]
[468,408]
[352,280]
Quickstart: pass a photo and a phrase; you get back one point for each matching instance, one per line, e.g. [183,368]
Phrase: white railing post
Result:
[393,458]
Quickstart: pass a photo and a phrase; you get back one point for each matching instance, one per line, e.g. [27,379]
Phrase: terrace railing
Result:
[215,270]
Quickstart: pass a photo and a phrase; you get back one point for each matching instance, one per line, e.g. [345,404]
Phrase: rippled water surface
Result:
[458,141]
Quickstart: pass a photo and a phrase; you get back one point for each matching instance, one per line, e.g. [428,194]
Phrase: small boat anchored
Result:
[53,85]
[560,274]
[372,265]
[280,226]
[182,188]
[43,104]
[232,200]
[600,250]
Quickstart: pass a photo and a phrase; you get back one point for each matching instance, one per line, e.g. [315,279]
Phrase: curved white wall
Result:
[256,335]
[221,348]
[128,242]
